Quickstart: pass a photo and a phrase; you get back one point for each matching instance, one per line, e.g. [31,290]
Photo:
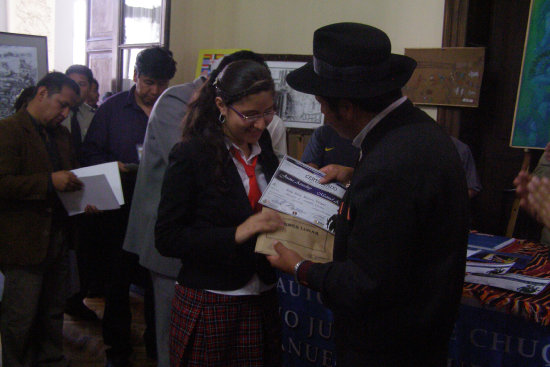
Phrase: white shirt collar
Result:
[254,149]
[85,108]
[358,140]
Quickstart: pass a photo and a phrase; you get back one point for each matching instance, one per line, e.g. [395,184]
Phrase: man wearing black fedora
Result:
[395,283]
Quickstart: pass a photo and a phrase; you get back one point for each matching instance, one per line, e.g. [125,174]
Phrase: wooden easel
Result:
[515,206]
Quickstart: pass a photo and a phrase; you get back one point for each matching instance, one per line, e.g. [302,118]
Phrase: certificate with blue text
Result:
[295,190]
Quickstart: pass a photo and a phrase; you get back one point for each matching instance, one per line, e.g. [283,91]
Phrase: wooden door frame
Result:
[454,35]
[113,44]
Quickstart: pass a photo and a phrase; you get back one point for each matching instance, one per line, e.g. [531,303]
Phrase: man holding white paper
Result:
[117,133]
[35,158]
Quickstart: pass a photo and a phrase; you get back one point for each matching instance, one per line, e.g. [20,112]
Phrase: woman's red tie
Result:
[254,192]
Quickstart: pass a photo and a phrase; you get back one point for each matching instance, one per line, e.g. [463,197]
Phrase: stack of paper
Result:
[519,261]
[490,267]
[102,188]
[487,267]
[482,241]
[513,282]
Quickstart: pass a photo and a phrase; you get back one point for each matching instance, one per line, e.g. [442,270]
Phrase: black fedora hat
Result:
[351,60]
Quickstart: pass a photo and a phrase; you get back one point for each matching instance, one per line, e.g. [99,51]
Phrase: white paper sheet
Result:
[479,267]
[295,190]
[513,282]
[110,170]
[471,252]
[96,191]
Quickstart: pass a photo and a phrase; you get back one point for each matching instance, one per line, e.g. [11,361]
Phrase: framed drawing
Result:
[531,128]
[296,109]
[23,62]
[448,76]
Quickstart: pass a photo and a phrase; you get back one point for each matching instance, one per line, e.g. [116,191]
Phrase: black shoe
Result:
[80,311]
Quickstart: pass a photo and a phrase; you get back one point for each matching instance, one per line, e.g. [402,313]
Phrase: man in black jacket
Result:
[395,283]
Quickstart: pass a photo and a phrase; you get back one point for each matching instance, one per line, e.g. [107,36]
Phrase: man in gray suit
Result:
[163,131]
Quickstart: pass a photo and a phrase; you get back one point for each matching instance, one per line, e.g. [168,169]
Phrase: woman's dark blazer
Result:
[197,218]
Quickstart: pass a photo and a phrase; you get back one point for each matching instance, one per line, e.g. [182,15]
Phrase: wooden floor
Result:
[83,343]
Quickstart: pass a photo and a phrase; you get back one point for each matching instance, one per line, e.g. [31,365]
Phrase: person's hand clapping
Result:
[547,152]
[538,199]
[521,181]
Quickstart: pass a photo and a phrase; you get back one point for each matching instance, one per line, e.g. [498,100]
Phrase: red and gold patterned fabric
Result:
[532,307]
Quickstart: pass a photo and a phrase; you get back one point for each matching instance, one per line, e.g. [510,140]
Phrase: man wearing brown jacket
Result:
[35,158]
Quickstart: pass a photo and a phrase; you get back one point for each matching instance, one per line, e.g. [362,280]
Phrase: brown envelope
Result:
[308,240]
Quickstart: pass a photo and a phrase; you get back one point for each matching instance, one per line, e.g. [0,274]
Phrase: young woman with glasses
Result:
[225,310]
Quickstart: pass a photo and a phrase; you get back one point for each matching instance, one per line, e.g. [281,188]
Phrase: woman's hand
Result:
[265,221]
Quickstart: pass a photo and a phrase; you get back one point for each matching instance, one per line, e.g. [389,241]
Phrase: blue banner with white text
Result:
[494,339]
[308,338]
[482,337]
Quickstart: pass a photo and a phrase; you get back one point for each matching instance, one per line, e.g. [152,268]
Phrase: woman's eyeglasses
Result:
[251,119]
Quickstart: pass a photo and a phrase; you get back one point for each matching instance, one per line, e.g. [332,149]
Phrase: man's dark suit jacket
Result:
[396,280]
[26,205]
[197,220]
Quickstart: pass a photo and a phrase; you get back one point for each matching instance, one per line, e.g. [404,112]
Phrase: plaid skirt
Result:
[209,329]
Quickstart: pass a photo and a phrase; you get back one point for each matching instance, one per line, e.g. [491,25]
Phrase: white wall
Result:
[63,35]
[69,34]
[3,16]
[79,31]
[34,17]
[62,21]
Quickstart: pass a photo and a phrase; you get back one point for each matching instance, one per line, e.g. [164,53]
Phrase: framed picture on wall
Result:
[531,127]
[446,76]
[296,109]
[23,62]
[208,59]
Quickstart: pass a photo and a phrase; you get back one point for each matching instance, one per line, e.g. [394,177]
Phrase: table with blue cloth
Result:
[495,327]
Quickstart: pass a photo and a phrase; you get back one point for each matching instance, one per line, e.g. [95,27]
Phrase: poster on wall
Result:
[208,57]
[448,76]
[531,128]
[23,62]
[296,109]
